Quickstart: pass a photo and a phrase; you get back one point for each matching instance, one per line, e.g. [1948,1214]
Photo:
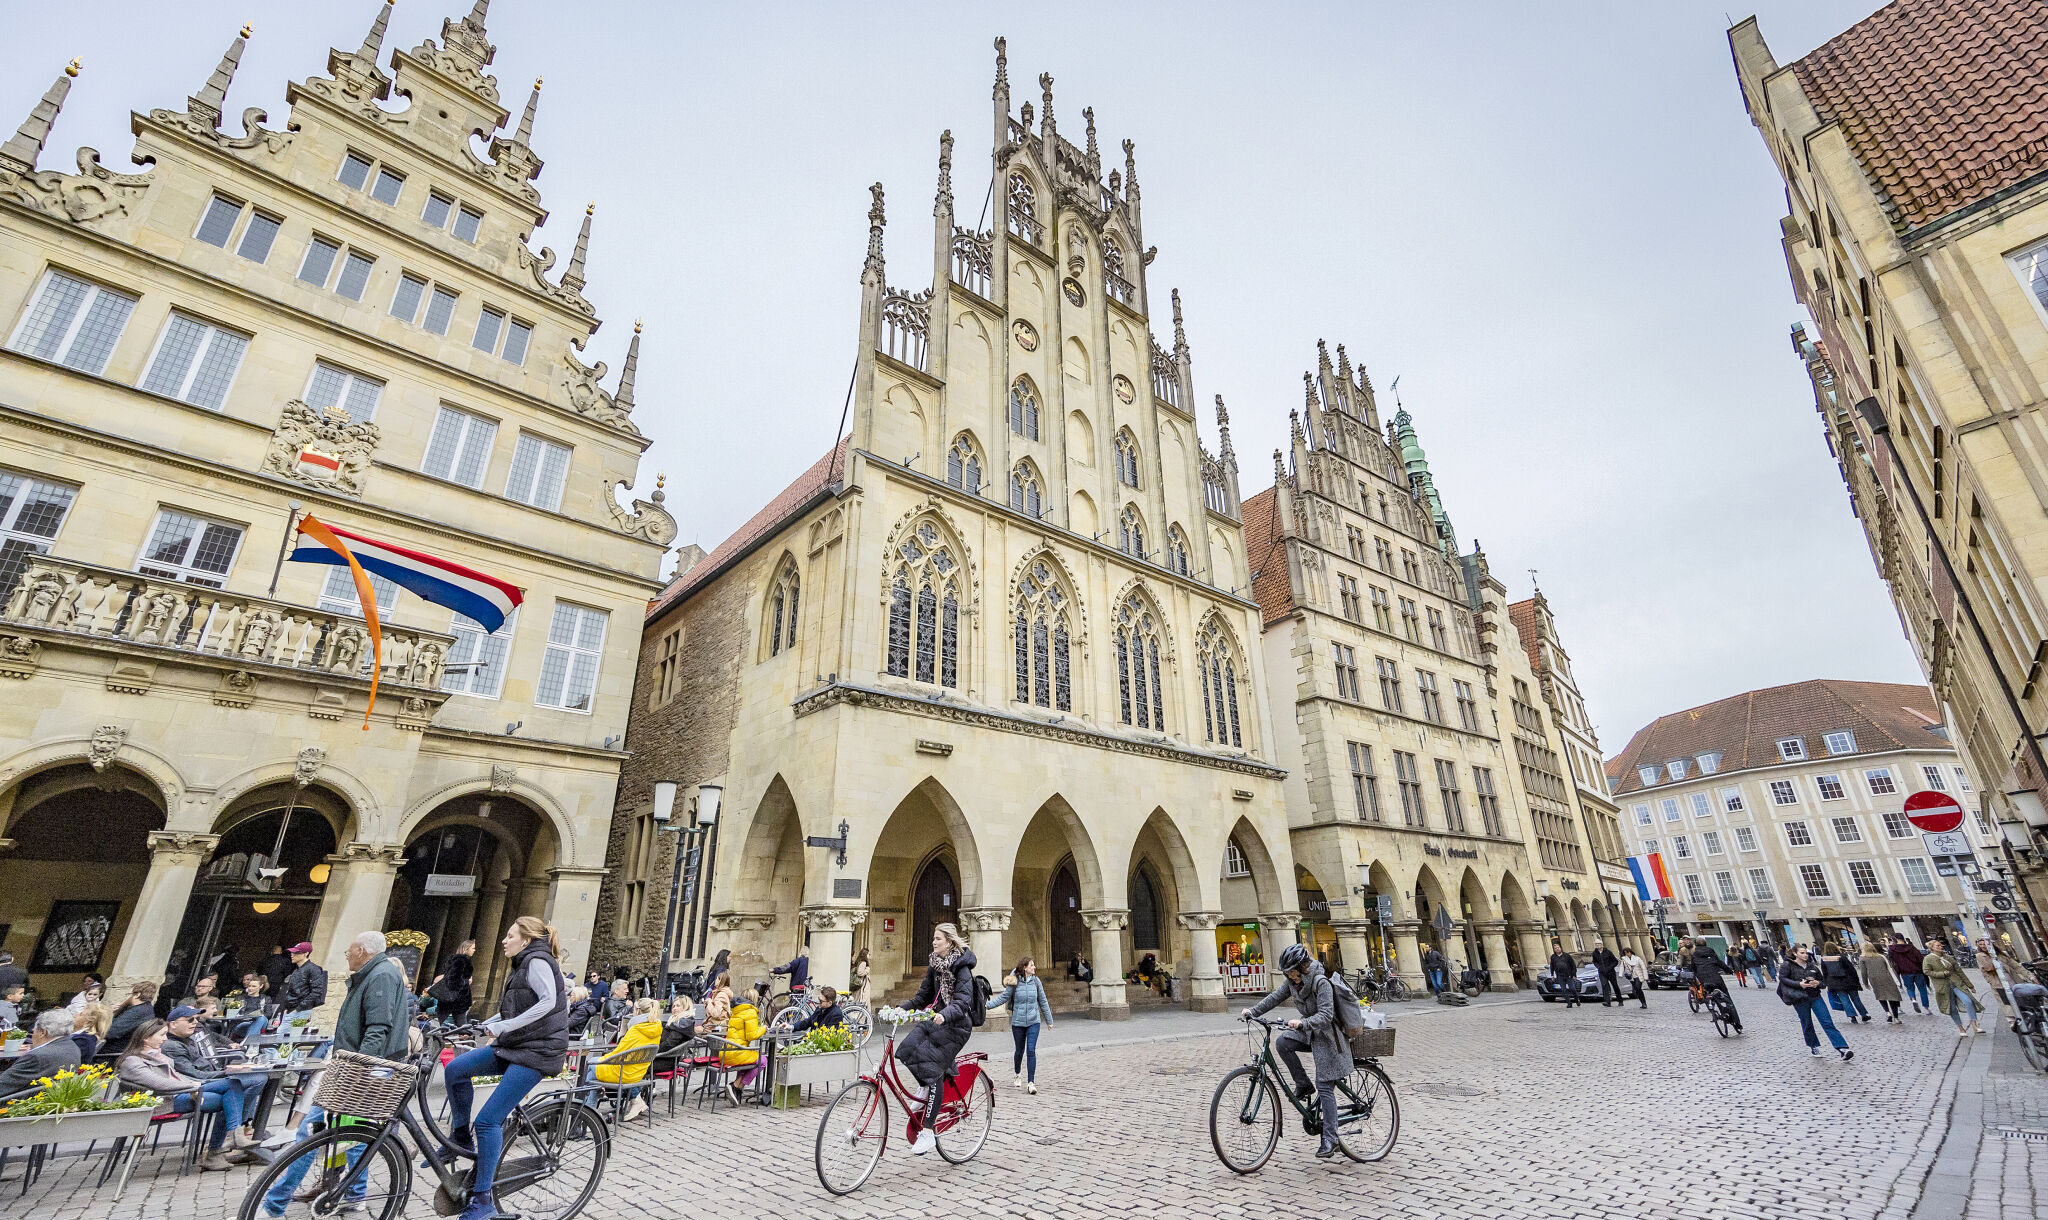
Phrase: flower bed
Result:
[84,1090]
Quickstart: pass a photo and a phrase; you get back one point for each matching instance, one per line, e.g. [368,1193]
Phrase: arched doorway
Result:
[261,890]
[471,867]
[1145,937]
[1063,903]
[934,900]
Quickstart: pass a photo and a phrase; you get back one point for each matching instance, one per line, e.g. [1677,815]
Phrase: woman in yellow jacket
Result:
[643,1030]
[744,1031]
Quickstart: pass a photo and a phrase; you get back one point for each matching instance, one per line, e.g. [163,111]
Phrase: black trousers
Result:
[1288,1045]
[1610,987]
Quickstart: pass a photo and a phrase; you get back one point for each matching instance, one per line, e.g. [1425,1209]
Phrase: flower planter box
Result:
[792,1072]
[78,1128]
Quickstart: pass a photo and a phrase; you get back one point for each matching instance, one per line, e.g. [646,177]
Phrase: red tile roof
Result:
[779,512]
[1945,102]
[1266,556]
[1745,729]
[1523,615]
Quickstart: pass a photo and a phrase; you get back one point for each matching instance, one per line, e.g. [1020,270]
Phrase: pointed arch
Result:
[928,587]
[1222,675]
[1074,361]
[1082,517]
[1020,208]
[1126,458]
[1514,899]
[1044,613]
[781,608]
[1187,878]
[1027,489]
[964,464]
[1265,875]
[1473,891]
[1179,557]
[1130,532]
[1024,408]
[1080,439]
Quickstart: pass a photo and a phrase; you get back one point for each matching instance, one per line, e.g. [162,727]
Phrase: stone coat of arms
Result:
[321,448]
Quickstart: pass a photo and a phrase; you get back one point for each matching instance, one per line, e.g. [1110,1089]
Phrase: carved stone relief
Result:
[321,448]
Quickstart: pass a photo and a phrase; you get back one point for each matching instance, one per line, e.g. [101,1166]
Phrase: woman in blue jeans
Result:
[1799,985]
[529,1042]
[1029,1009]
[145,1066]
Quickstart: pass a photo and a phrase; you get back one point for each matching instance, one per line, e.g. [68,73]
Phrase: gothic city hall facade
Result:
[1009,656]
[337,317]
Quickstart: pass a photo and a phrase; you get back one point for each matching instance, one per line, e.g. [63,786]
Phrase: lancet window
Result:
[1177,557]
[1044,640]
[963,465]
[1131,533]
[1023,210]
[783,601]
[1217,668]
[1024,409]
[1140,699]
[1127,458]
[924,609]
[1027,494]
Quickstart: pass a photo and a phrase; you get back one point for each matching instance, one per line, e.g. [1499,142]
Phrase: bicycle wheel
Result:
[1244,1120]
[1368,1117]
[851,1137]
[860,1023]
[380,1182]
[1721,1025]
[974,1116]
[2034,1044]
[555,1153]
[785,1021]
[1693,999]
[1396,989]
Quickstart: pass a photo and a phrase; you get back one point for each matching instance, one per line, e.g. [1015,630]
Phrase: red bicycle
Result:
[855,1129]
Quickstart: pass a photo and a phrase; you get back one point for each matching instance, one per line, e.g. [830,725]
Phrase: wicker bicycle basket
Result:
[364,1086]
[1373,1043]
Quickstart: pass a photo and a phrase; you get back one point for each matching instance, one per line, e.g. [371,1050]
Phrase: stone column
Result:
[358,897]
[1106,1000]
[1535,950]
[831,951]
[1408,954]
[174,860]
[1493,940]
[572,909]
[1205,988]
[1354,942]
[984,928]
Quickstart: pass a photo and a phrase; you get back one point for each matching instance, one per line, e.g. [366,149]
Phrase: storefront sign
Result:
[1463,853]
[1431,849]
[1570,884]
[450,885]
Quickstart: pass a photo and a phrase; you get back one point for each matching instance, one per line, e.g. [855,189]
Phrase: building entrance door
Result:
[1069,934]
[933,900]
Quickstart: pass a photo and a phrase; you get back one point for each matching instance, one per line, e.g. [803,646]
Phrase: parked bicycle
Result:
[854,1131]
[1375,986]
[556,1146]
[801,1004]
[2030,1016]
[1245,1117]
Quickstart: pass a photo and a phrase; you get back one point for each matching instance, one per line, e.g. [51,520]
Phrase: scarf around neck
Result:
[944,963]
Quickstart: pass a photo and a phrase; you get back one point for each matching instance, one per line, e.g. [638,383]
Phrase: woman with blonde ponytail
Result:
[530,1042]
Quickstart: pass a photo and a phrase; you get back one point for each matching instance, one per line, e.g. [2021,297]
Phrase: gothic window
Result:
[1024,409]
[783,600]
[924,609]
[1026,493]
[1131,533]
[1177,550]
[1217,666]
[1127,458]
[1043,640]
[1113,282]
[963,465]
[1023,210]
[1140,699]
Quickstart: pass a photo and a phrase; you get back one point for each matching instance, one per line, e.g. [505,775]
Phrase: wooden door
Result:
[933,900]
[1069,935]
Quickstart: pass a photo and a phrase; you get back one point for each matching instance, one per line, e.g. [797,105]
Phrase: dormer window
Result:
[1675,768]
[1841,743]
[1791,749]
[1710,763]
[1649,775]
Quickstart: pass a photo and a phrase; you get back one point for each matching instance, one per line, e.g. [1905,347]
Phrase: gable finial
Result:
[206,104]
[1045,91]
[1130,170]
[623,400]
[1343,366]
[1308,387]
[1180,333]
[1322,356]
[1002,90]
[1223,430]
[876,219]
[945,195]
[572,278]
[525,135]
[19,153]
[1094,157]
[373,42]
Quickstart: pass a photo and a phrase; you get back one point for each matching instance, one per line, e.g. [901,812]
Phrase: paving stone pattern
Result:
[1510,1108]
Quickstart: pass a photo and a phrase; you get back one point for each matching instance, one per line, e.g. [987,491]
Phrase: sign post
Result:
[1939,817]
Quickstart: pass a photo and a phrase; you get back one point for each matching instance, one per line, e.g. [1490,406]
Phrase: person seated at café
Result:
[681,1025]
[643,1028]
[10,1006]
[50,1050]
[250,1008]
[88,1027]
[825,1016]
[146,1066]
[206,985]
[90,988]
[582,1007]
[194,1051]
[743,1031]
[129,1014]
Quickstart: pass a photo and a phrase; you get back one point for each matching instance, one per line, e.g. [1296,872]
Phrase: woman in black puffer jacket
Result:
[929,1050]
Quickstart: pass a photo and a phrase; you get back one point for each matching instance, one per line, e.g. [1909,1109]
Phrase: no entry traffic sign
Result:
[1934,812]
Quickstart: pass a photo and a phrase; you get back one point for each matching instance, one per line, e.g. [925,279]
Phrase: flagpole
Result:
[283,548]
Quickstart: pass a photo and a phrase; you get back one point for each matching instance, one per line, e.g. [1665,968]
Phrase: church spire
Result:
[206,104]
[525,135]
[1417,464]
[572,278]
[19,154]
[623,400]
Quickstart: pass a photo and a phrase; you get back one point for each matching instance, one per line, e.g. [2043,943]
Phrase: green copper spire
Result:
[1417,464]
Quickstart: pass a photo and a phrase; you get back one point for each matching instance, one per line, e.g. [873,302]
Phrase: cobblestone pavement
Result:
[1510,1108]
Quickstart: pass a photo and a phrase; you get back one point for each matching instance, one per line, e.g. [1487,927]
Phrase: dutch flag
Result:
[1652,882]
[486,599]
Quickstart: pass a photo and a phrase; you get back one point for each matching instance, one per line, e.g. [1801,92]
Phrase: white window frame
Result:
[1930,774]
[1695,890]
[470,643]
[1842,741]
[249,232]
[1709,763]
[571,653]
[1766,892]
[1644,817]
[405,280]
[350,257]
[1731,800]
[1234,862]
[2029,266]
[206,214]
[435,297]
[1808,873]
[1650,776]
[1907,869]
[1675,769]
[1874,775]
[1711,844]
[1855,829]
[1896,826]
[318,242]
[352,157]
[1962,780]
[465,212]
[1745,839]
[182,571]
[200,355]
[17,541]
[1821,782]
[350,380]
[1727,890]
[1681,847]
[436,195]
[1856,889]
[533,490]
[1781,789]
[60,351]
[1702,807]
[338,593]
[473,432]
[1669,807]
[1805,832]
[1791,749]
[376,185]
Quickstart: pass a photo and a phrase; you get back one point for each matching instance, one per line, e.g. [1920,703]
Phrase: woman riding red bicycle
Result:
[928,1050]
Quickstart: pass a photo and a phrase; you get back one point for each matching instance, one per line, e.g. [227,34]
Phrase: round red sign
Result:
[1934,812]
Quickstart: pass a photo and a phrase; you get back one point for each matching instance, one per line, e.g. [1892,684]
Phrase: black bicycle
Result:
[556,1146]
[1245,1117]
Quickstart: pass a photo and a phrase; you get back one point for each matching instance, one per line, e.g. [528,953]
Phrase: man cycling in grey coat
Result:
[1315,1030]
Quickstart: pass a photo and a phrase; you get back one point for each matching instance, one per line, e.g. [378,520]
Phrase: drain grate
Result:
[2022,1133]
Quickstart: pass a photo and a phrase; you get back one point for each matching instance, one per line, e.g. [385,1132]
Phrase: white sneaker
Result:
[1017,1080]
[1032,1088]
[635,1110]
[924,1142]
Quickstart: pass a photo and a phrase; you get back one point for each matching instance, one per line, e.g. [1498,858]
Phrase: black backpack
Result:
[977,1010]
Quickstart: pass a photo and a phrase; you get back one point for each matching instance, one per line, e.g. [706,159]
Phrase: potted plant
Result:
[75,1104]
[822,1056]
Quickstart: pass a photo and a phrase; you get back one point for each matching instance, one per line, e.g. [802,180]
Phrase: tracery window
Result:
[1127,458]
[924,609]
[1026,493]
[1113,282]
[1023,210]
[1177,550]
[1140,699]
[1024,409]
[963,465]
[1131,533]
[1044,636]
[1217,666]
[783,600]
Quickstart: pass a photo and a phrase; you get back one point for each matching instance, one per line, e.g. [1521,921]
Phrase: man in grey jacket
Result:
[1315,1030]
[50,1050]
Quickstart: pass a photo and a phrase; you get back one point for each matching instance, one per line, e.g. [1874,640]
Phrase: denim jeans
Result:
[1812,1010]
[1852,1004]
[1915,986]
[1026,1039]
[1960,1002]
[280,1194]
[488,1127]
[1437,981]
[231,1098]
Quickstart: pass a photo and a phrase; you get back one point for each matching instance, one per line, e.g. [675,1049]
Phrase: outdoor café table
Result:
[274,1076]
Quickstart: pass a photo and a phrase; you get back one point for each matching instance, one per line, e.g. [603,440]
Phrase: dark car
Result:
[1667,970]
[1550,989]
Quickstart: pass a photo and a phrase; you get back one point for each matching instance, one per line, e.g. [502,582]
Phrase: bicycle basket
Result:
[364,1086]
[1373,1043]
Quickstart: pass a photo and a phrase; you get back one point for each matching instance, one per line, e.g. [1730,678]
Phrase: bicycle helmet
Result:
[1294,957]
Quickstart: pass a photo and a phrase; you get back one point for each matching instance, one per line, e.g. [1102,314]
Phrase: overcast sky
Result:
[1553,222]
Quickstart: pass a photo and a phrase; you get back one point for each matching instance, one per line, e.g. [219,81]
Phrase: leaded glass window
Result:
[783,600]
[949,642]
[1217,669]
[927,574]
[1024,409]
[927,634]
[1127,458]
[899,624]
[1141,699]
[1025,495]
[1131,533]
[1177,551]
[1044,668]
[963,466]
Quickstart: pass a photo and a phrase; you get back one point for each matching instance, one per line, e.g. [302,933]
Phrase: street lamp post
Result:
[708,797]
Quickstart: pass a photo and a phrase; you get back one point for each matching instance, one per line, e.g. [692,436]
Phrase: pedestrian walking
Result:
[861,972]
[1712,972]
[1799,985]
[1564,972]
[1844,982]
[1637,972]
[1744,959]
[1906,963]
[1878,980]
[1437,969]
[1315,1031]
[1030,1008]
[1609,967]
[450,989]
[1952,993]
[929,1049]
